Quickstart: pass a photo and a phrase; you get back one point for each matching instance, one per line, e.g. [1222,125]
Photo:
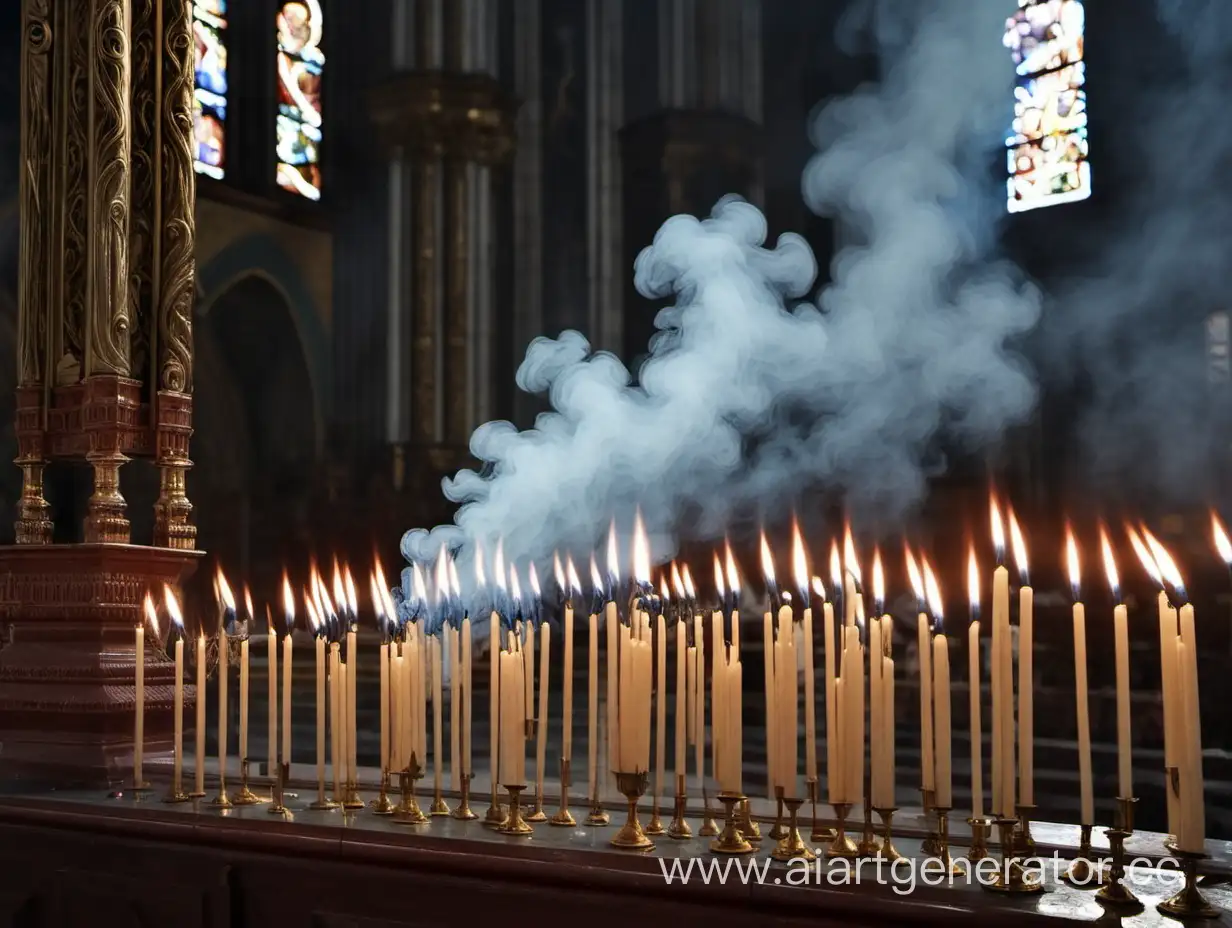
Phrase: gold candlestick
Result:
[749,828]
[281,775]
[1011,878]
[979,839]
[408,811]
[1025,843]
[222,800]
[382,804]
[931,845]
[679,828]
[888,850]
[943,841]
[655,825]
[1079,872]
[1189,901]
[245,797]
[439,805]
[495,816]
[778,831]
[731,840]
[842,845]
[791,846]
[1114,893]
[351,798]
[464,812]
[631,835]
[709,827]
[515,824]
[819,833]
[868,846]
[563,818]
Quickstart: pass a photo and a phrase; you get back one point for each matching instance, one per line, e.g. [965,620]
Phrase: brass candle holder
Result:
[679,828]
[818,834]
[731,840]
[1011,878]
[351,798]
[223,799]
[408,811]
[597,816]
[631,835]
[979,839]
[382,804]
[778,831]
[888,851]
[1025,843]
[867,846]
[495,816]
[791,846]
[1079,873]
[1189,901]
[282,773]
[537,814]
[439,805]
[709,827]
[464,812]
[943,840]
[931,845]
[842,845]
[245,797]
[655,826]
[748,827]
[1114,893]
[563,818]
[175,792]
[515,824]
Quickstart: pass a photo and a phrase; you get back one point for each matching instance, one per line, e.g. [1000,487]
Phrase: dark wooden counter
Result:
[78,859]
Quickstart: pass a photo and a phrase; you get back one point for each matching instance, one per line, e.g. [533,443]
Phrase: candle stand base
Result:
[943,854]
[222,800]
[888,850]
[439,805]
[408,811]
[748,827]
[979,839]
[1024,843]
[710,826]
[537,814]
[1081,873]
[352,799]
[931,845]
[655,825]
[597,817]
[1189,902]
[323,805]
[495,816]
[278,790]
[631,835]
[1011,878]
[731,840]
[563,817]
[867,846]
[791,846]
[679,827]
[464,812]
[175,794]
[842,846]
[819,834]
[245,797]
[515,824]
[1114,893]
[197,794]
[778,831]
[382,805]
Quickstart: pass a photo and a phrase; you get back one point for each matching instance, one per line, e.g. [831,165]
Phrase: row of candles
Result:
[418,653]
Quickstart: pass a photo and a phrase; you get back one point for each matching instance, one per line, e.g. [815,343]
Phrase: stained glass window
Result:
[210,87]
[299,97]
[1047,143]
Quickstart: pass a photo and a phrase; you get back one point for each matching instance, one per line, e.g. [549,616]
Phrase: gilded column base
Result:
[33,526]
[172,528]
[106,512]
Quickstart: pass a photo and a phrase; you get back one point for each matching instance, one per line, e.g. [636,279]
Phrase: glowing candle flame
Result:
[689,589]
[677,581]
[596,581]
[558,571]
[288,600]
[247,601]
[1167,566]
[419,584]
[799,559]
[767,562]
[575,585]
[173,607]
[819,589]
[351,599]
[1114,582]
[1072,567]
[973,582]
[935,605]
[515,587]
[1144,555]
[387,600]
[338,591]
[664,593]
[441,575]
[498,564]
[850,562]
[1222,544]
[733,578]
[1019,547]
[914,575]
[455,583]
[480,580]
[998,527]
[224,591]
[641,551]
[836,567]
[534,580]
[718,576]
[378,601]
[151,614]
[613,553]
[878,580]
[314,617]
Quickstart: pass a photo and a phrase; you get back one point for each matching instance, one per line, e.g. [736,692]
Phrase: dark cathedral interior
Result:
[389,203]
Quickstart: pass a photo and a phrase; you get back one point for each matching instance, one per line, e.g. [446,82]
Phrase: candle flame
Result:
[440,577]
[1144,555]
[914,575]
[173,606]
[664,593]
[534,580]
[558,571]
[1072,566]
[1019,547]
[878,580]
[973,581]
[339,593]
[1222,544]
[455,584]
[799,559]
[387,605]
[480,580]
[718,576]
[935,604]
[515,587]
[819,588]
[613,553]
[349,582]
[378,601]
[247,601]
[314,618]
[687,576]
[498,564]
[850,562]
[224,590]
[1105,546]
[151,614]
[641,551]
[733,578]
[288,599]
[419,584]
[998,526]
[836,567]
[767,561]
[677,581]
[1167,566]
[596,580]
[575,585]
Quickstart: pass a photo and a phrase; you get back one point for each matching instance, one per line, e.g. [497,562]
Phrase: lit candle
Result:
[566,710]
[397,707]
[288,665]
[438,734]
[1120,634]
[271,694]
[660,698]
[924,656]
[613,717]
[718,677]
[199,733]
[466,696]
[973,688]
[1026,669]
[454,658]
[226,604]
[352,679]
[337,730]
[887,702]
[592,690]
[318,627]
[733,584]
[495,677]
[833,765]
[810,698]
[699,680]
[1085,786]
[683,662]
[147,615]
[244,678]
[541,726]
[875,690]
[1004,771]
[177,744]
[941,693]
[787,683]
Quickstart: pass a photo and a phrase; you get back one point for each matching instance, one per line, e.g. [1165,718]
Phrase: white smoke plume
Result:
[749,396]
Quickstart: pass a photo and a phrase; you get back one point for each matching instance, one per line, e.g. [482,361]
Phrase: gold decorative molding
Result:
[34,190]
[144,221]
[67,338]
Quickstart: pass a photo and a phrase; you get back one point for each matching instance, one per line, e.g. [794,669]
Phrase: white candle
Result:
[1085,787]
[1026,695]
[336,729]
[528,669]
[683,662]
[384,689]
[566,710]
[222,703]
[977,732]
[612,658]
[320,653]
[771,698]
[455,705]
[877,764]
[243,700]
[924,651]
[660,697]
[352,725]
[466,696]
[1173,708]
[592,707]
[287,668]
[833,739]
[810,701]
[788,727]
[1003,709]
[139,706]
[438,733]
[1192,780]
[736,716]
[397,710]
[177,766]
[941,695]
[494,685]
[1125,772]
[541,728]
[699,698]
[271,672]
